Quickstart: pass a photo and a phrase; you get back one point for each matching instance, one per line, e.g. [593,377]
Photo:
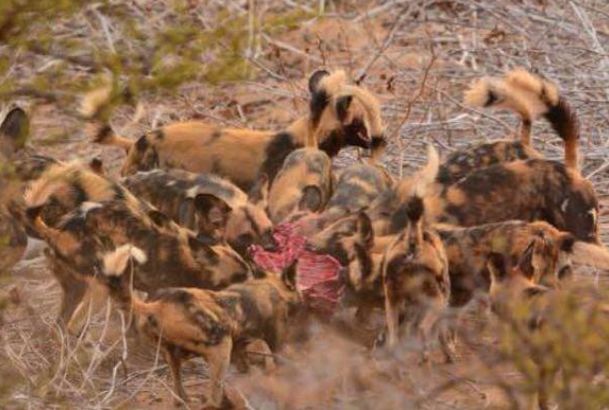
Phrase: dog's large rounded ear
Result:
[312,199]
[212,209]
[315,79]
[97,165]
[288,276]
[364,227]
[342,106]
[14,130]
[526,262]
[497,267]
[566,242]
[259,194]
[159,218]
[186,213]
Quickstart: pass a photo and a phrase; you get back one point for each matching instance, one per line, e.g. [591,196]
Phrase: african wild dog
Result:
[513,291]
[195,322]
[468,250]
[388,210]
[63,207]
[530,190]
[340,114]
[63,187]
[530,96]
[208,204]
[17,166]
[357,186]
[350,240]
[416,280]
[534,189]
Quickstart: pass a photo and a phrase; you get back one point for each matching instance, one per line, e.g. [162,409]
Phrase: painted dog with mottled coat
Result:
[195,322]
[340,114]
[208,204]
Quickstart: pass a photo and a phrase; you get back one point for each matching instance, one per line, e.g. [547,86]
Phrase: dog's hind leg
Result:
[218,360]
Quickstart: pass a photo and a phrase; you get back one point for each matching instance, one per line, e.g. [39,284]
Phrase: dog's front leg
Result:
[392,318]
[175,364]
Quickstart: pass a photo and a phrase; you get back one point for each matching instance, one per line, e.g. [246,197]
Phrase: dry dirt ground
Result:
[390,45]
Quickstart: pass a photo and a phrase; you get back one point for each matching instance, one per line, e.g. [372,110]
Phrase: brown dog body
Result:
[358,186]
[461,163]
[340,114]
[350,240]
[415,279]
[528,190]
[80,213]
[207,204]
[532,189]
[195,322]
[535,189]
[468,250]
[176,258]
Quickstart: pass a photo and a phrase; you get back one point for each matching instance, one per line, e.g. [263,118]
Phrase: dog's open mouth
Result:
[318,276]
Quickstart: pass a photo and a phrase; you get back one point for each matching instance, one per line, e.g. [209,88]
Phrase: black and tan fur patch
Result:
[469,249]
[415,277]
[208,204]
[459,164]
[529,190]
[175,258]
[214,325]
[304,183]
[358,186]
[340,115]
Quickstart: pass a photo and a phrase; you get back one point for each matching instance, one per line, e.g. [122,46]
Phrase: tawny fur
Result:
[531,96]
[304,183]
[340,114]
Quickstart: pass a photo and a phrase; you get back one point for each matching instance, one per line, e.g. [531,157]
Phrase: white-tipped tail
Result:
[529,95]
[427,175]
[93,101]
[115,262]
[334,82]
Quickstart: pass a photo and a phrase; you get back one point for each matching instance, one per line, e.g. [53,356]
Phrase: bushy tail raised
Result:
[531,96]
[94,107]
